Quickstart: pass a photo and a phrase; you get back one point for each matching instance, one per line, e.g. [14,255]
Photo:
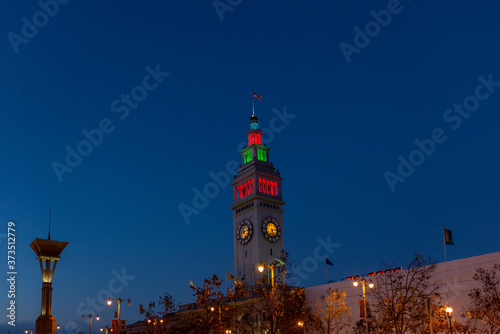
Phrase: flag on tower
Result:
[192,285]
[257,96]
[328,262]
[447,237]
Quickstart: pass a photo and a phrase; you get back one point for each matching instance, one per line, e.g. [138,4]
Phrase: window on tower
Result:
[244,189]
[261,154]
[247,156]
[268,187]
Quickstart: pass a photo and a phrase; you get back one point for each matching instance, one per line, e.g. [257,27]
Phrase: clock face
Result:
[271,229]
[244,232]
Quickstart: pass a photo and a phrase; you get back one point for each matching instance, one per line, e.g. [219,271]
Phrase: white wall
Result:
[455,277]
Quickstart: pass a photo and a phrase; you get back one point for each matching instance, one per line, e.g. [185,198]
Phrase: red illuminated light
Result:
[254,138]
[268,187]
[244,189]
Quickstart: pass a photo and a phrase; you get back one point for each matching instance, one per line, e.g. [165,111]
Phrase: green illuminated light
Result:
[261,155]
[247,156]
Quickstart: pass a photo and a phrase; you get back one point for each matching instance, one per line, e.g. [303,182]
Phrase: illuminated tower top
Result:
[255,149]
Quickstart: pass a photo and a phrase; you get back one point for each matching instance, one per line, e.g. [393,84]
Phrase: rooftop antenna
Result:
[49,221]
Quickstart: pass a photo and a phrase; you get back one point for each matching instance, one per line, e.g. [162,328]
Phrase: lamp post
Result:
[48,252]
[90,316]
[105,328]
[371,285]
[448,311]
[275,263]
[262,267]
[119,301]
[29,330]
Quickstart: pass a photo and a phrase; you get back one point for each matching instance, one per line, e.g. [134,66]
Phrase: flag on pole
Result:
[280,262]
[328,262]
[361,308]
[192,285]
[257,96]
[447,237]
[230,276]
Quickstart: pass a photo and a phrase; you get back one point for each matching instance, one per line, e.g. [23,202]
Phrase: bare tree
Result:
[484,310]
[212,312]
[400,297]
[159,315]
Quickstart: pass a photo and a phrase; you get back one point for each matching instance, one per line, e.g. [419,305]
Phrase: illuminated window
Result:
[247,156]
[244,189]
[268,187]
[261,154]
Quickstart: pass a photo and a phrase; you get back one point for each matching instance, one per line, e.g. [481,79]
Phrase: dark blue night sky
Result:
[382,117]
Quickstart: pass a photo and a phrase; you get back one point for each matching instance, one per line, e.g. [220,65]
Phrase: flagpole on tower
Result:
[253,103]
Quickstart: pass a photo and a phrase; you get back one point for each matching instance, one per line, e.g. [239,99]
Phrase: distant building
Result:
[456,278]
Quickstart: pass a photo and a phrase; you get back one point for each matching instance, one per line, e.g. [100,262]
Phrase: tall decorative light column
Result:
[371,285]
[48,252]
[119,301]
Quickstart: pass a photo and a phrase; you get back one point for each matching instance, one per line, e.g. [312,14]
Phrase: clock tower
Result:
[257,208]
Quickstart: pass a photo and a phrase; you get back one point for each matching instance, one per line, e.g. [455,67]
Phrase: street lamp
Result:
[90,316]
[156,322]
[301,325]
[29,330]
[262,266]
[370,285]
[119,301]
[448,311]
[105,328]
